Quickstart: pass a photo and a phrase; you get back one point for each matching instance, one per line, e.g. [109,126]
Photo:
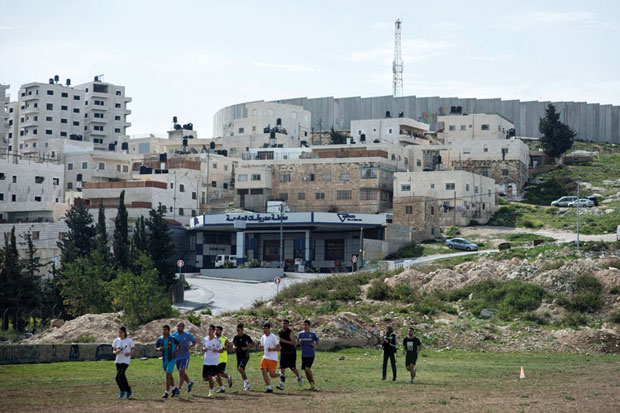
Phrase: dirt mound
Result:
[94,328]
[603,340]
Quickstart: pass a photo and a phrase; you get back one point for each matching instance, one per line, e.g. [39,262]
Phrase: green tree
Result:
[102,233]
[121,235]
[85,285]
[9,277]
[79,239]
[140,295]
[160,245]
[337,138]
[556,137]
[29,291]
[140,240]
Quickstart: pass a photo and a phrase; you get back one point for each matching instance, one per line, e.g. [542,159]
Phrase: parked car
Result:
[461,244]
[593,199]
[563,202]
[582,203]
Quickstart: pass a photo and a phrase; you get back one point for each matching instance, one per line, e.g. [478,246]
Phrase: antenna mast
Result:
[397,66]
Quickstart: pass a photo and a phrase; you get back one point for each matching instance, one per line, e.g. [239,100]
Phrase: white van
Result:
[221,260]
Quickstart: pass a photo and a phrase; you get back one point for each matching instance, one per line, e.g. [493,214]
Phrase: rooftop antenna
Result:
[397,66]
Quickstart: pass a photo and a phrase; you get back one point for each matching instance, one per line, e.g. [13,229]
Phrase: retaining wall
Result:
[253,274]
[48,353]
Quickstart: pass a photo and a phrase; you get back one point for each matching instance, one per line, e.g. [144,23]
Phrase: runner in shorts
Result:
[123,347]
[187,343]
[221,367]
[169,346]
[288,355]
[212,348]
[412,347]
[242,344]
[308,341]
[269,363]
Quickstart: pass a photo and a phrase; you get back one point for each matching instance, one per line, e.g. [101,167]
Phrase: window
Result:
[194,195]
[283,197]
[344,177]
[76,110]
[55,181]
[485,149]
[117,105]
[63,107]
[301,196]
[97,127]
[366,195]
[405,187]
[47,132]
[342,195]
[484,127]
[63,133]
[98,102]
[171,209]
[432,210]
[285,178]
[76,97]
[118,93]
[504,172]
[475,189]
[69,167]
[463,127]
[450,186]
[256,177]
[432,186]
[13,198]
[242,178]
[115,117]
[225,167]
[117,130]
[213,184]
[37,199]
[181,188]
[241,130]
[1,197]
[418,162]
[64,94]
[38,179]
[369,173]
[63,120]
[312,177]
[76,123]
[181,211]
[319,196]
[326,177]
[84,165]
[467,187]
[78,177]
[48,119]
[125,168]
[214,165]
[69,185]
[452,127]
[101,166]
[49,106]
[389,130]
[50,92]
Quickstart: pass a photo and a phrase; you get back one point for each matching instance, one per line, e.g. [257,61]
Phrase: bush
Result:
[531,223]
[411,250]
[585,283]
[585,302]
[229,264]
[186,285]
[507,298]
[551,265]
[254,264]
[575,320]
[404,292]
[194,319]
[206,312]
[330,307]
[615,317]
[614,290]
[379,290]
[452,232]
[535,318]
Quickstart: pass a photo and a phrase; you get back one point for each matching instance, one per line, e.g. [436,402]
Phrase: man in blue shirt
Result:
[308,341]
[187,342]
[169,346]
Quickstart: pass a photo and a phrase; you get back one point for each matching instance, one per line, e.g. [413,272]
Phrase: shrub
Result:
[586,302]
[535,318]
[186,285]
[615,317]
[575,320]
[330,307]
[585,283]
[614,290]
[452,232]
[229,264]
[508,298]
[404,292]
[379,290]
[531,223]
[194,319]
[254,264]
[206,312]
[551,265]
[410,250]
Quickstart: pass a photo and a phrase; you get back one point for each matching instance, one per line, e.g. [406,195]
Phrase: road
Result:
[564,236]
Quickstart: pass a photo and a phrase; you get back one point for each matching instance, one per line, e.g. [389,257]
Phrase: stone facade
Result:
[419,213]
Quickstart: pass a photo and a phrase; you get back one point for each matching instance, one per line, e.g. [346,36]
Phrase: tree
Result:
[85,285]
[29,289]
[337,138]
[121,235]
[78,241]
[140,294]
[557,137]
[102,233]
[9,276]
[140,239]
[160,245]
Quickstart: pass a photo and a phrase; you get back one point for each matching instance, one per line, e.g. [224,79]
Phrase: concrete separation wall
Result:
[249,274]
[48,353]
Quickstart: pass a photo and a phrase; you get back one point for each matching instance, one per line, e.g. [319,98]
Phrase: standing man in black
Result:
[288,354]
[389,349]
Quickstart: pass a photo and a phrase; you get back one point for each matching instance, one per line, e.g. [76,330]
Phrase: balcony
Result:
[29,98]
[30,109]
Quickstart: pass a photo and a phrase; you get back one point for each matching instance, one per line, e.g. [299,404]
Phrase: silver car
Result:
[564,201]
[582,203]
[461,244]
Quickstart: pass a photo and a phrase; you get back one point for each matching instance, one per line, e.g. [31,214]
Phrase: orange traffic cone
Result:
[522,375]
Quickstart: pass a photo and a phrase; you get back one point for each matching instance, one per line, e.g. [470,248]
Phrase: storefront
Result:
[322,241]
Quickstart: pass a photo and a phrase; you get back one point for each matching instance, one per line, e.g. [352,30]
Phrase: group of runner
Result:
[411,349]
[175,349]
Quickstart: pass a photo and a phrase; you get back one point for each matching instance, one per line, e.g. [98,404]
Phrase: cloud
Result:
[6,28]
[579,16]
[287,67]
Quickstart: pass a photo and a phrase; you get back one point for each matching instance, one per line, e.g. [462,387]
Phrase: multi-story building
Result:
[105,112]
[462,196]
[504,160]
[4,118]
[456,127]
[52,110]
[45,237]
[395,131]
[414,218]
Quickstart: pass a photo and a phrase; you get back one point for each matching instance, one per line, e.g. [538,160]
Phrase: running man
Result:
[169,346]
[308,340]
[242,344]
[187,343]
[389,349]
[221,367]
[269,363]
[212,348]
[124,348]
[288,355]
[412,346]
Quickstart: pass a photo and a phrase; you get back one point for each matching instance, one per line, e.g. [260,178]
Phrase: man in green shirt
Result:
[412,347]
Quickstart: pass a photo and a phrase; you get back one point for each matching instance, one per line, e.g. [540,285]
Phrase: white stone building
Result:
[4,117]
[45,237]
[455,127]
[395,131]
[463,196]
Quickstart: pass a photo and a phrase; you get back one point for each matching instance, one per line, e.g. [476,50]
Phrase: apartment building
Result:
[253,186]
[54,110]
[504,160]
[395,131]
[461,196]
[414,218]
[4,117]
[31,189]
[45,238]
[455,127]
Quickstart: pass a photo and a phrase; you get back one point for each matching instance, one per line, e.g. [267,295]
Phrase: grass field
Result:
[447,381]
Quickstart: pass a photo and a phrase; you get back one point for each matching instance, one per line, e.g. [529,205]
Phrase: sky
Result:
[191,58]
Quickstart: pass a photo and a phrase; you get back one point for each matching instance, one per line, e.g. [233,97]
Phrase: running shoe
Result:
[221,390]
[176,392]
[229,381]
[382,378]
[165,395]
[299,379]
[128,395]
[411,381]
[269,391]
[280,386]
[210,393]
[189,386]
[121,395]
[312,386]
[246,386]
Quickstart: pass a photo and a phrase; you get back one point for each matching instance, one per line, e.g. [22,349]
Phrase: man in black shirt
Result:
[288,354]
[389,349]
[412,347]
[242,343]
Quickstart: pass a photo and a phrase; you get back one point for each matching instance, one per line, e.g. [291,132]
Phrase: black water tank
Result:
[363,137]
[272,135]
[143,169]
[211,145]
[278,121]
[174,119]
[452,109]
[56,78]
[224,152]
[401,114]
[190,126]
[184,142]
[68,82]
[51,81]
[459,109]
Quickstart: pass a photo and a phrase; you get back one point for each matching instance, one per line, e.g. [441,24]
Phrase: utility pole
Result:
[359,259]
[454,211]
[281,236]
[577,215]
